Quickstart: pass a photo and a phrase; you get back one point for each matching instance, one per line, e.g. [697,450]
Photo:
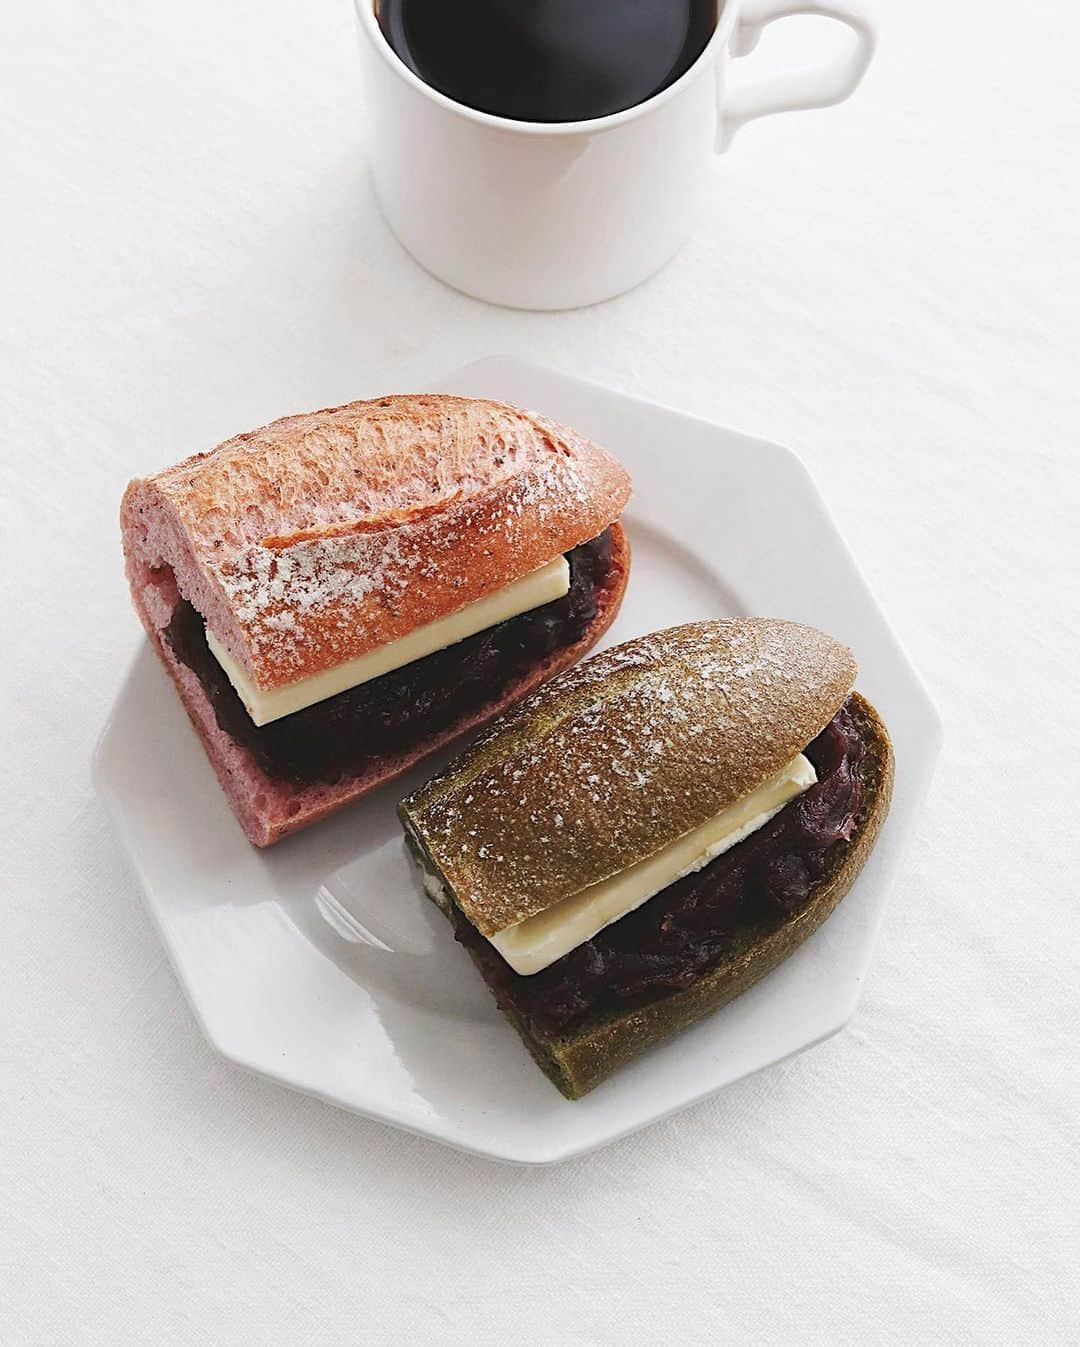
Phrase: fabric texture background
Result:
[190,248]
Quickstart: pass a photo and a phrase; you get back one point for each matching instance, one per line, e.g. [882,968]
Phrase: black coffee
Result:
[548,60]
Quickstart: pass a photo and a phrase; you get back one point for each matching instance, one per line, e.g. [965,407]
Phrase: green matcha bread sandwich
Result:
[653,831]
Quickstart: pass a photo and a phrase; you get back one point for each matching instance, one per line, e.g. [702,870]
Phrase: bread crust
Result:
[269,810]
[320,537]
[621,756]
[578,1061]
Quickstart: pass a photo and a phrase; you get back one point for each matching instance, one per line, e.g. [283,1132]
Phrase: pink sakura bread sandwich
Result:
[339,594]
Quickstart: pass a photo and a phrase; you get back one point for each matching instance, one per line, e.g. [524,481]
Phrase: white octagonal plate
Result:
[319,964]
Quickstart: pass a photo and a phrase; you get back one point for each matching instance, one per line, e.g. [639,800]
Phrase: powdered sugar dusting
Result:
[332,533]
[273,592]
[619,756]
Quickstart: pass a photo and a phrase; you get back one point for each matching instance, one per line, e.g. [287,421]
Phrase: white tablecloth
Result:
[190,248]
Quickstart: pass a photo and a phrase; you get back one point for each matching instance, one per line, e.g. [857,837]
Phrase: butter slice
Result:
[538,941]
[541,586]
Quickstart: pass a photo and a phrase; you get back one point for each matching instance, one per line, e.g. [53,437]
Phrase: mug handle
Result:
[807,89]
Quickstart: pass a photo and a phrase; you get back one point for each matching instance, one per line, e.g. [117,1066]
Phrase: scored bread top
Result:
[614,759]
[323,536]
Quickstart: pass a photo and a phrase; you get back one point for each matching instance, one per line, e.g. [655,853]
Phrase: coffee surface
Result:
[548,60]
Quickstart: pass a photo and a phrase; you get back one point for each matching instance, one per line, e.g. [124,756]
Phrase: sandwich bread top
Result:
[323,536]
[614,759]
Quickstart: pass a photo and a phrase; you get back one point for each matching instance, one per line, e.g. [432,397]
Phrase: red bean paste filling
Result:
[687,929]
[392,714]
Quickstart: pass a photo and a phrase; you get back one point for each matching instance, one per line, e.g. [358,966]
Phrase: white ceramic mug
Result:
[541,215]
